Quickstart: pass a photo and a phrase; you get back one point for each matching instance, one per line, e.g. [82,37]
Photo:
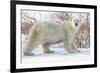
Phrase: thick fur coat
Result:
[47,33]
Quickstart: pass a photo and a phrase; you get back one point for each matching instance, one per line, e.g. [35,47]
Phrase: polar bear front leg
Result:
[67,41]
[68,46]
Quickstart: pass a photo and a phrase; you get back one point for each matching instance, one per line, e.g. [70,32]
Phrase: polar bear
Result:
[48,33]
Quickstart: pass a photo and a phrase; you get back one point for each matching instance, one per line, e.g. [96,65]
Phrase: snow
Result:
[59,55]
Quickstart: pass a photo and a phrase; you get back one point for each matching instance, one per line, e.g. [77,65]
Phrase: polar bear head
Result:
[72,25]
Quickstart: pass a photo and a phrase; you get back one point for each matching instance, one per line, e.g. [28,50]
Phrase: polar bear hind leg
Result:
[46,49]
[33,40]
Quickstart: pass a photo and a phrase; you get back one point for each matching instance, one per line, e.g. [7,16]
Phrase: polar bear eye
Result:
[76,24]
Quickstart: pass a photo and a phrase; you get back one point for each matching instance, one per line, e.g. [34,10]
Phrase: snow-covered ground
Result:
[59,53]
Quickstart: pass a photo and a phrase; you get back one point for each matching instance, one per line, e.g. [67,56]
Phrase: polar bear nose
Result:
[76,24]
